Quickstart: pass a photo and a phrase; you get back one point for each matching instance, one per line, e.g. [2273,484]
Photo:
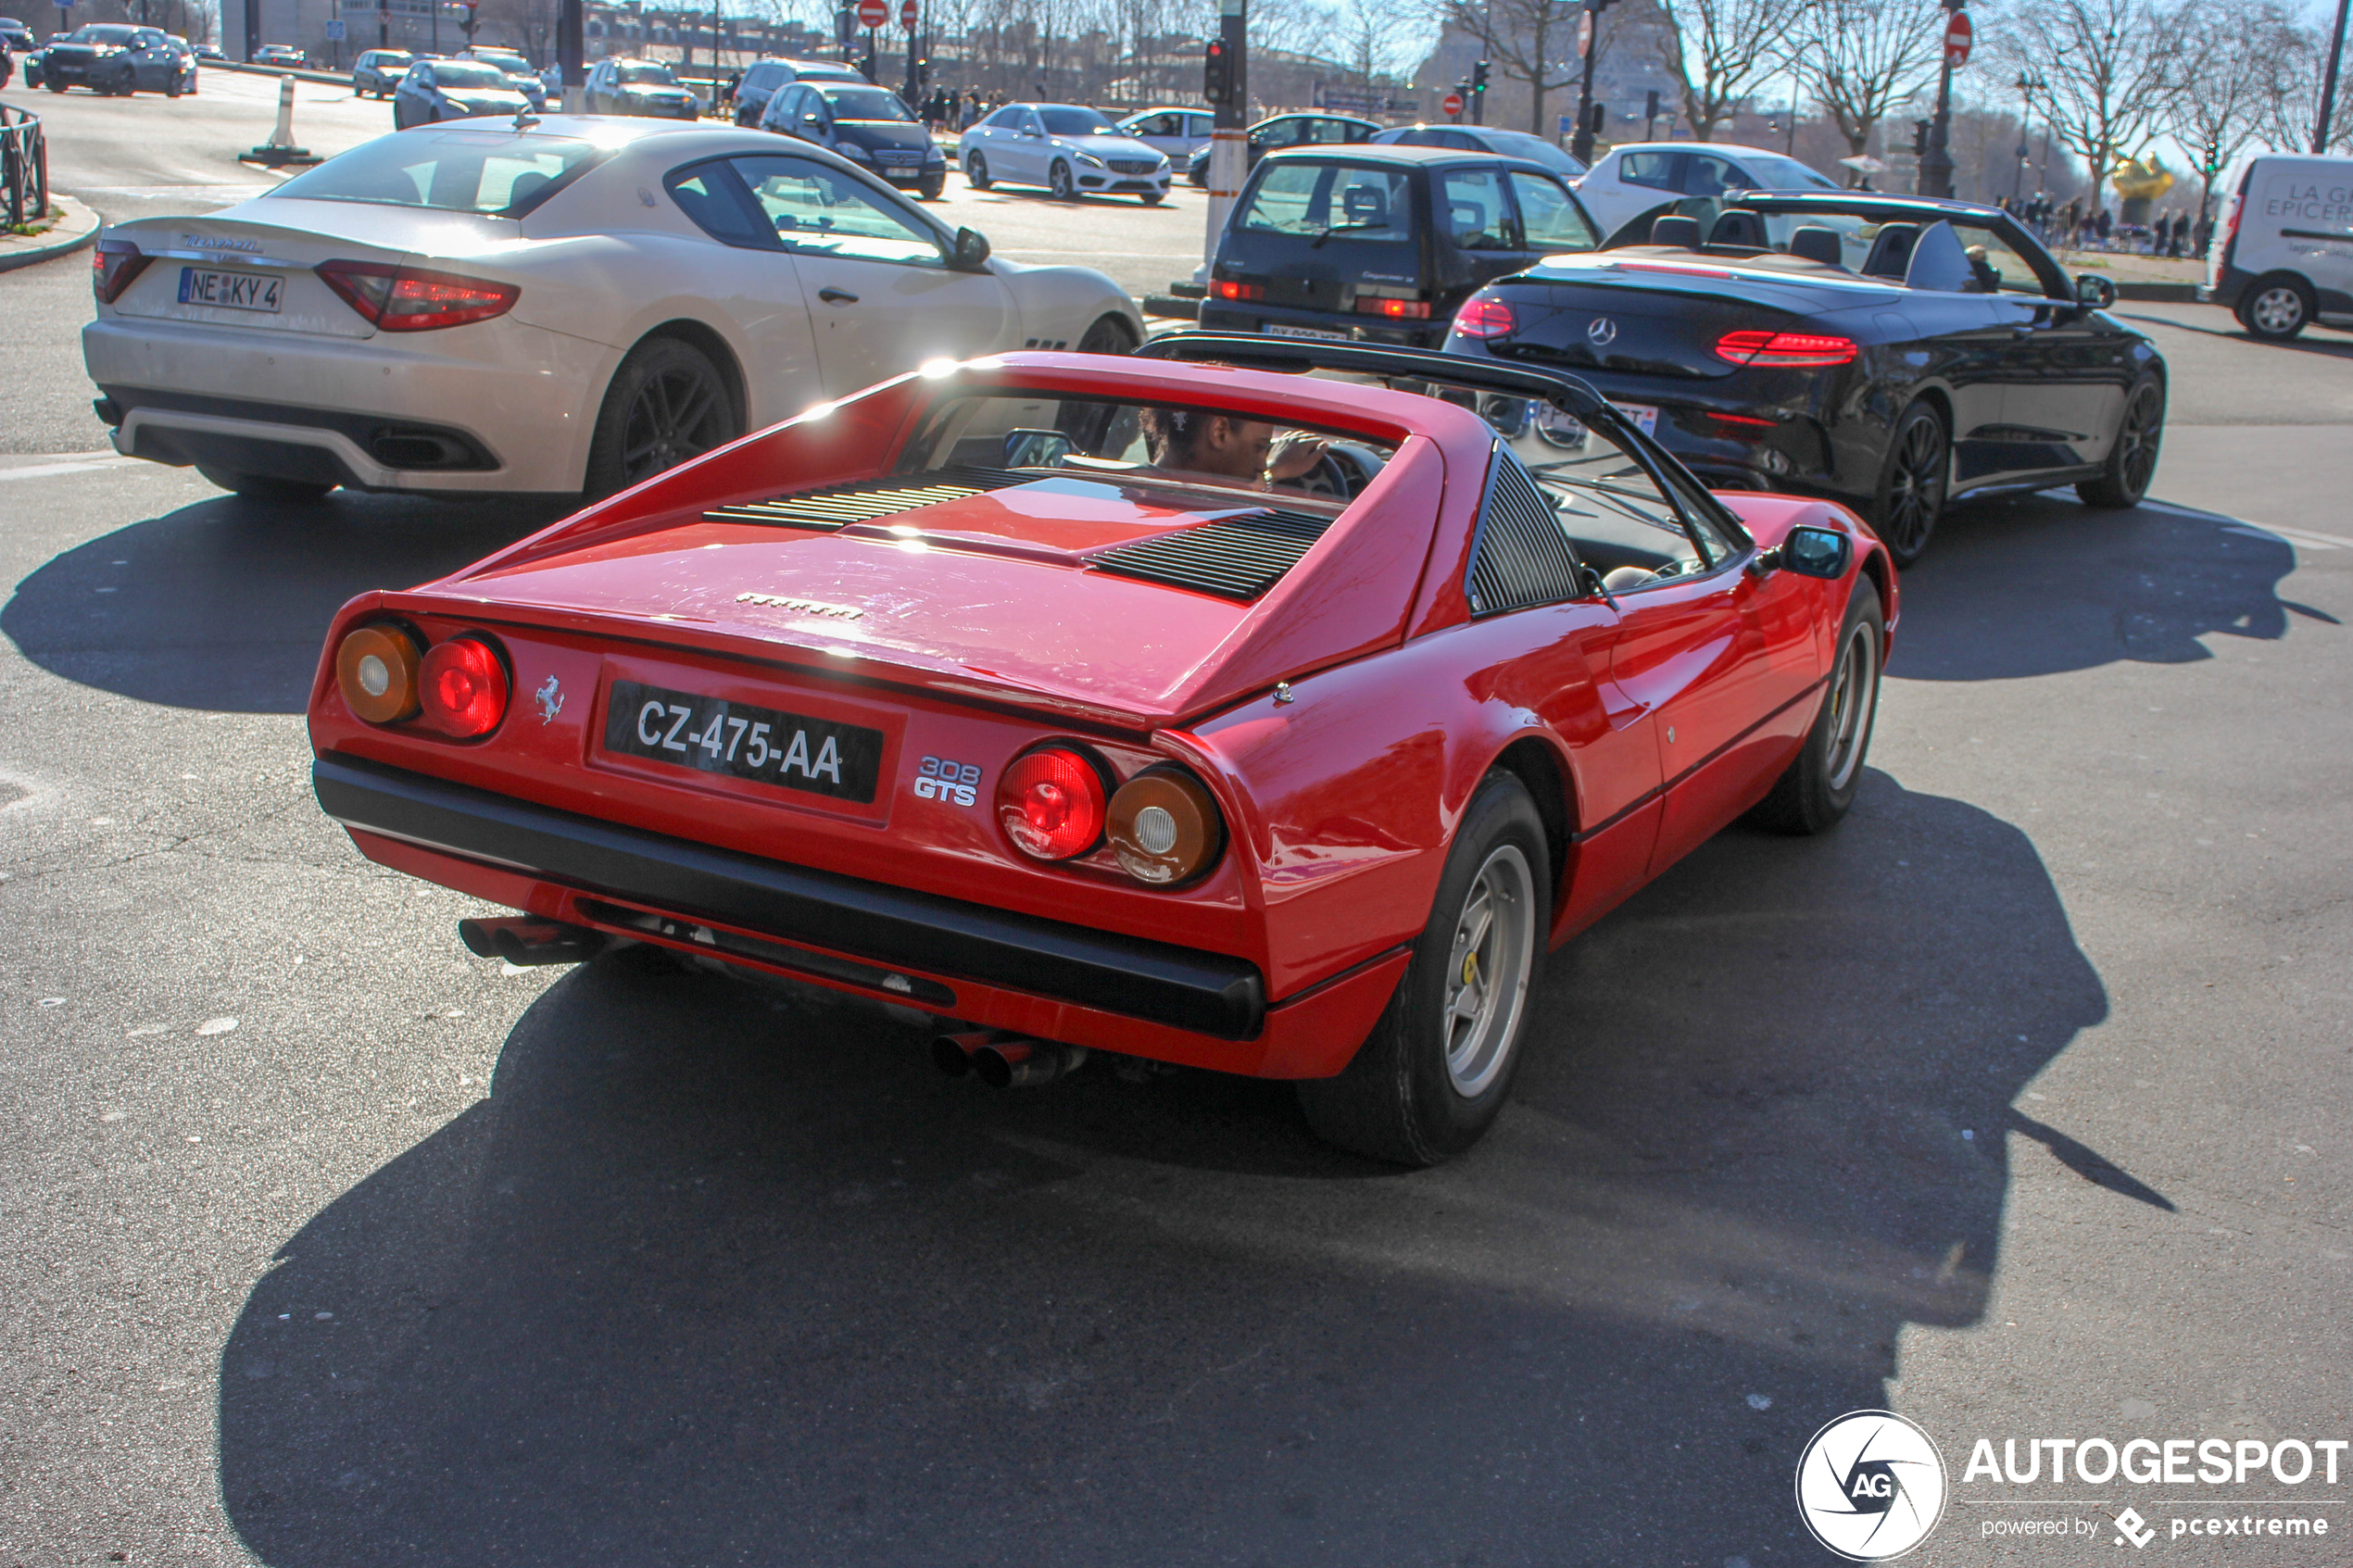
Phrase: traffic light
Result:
[1601,118]
[1919,138]
[1650,105]
[1217,73]
[1478,77]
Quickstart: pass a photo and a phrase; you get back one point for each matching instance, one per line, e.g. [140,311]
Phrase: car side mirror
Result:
[1036,449]
[2096,291]
[1809,552]
[972,249]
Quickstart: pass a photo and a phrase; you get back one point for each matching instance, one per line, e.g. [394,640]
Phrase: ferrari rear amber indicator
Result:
[408,299]
[463,687]
[376,672]
[1784,350]
[1052,804]
[1164,826]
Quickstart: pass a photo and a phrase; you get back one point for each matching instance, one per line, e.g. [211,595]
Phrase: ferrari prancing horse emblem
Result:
[551,701]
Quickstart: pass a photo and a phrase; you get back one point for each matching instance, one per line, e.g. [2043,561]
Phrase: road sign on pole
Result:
[906,14]
[1452,104]
[1584,34]
[872,13]
[1958,36]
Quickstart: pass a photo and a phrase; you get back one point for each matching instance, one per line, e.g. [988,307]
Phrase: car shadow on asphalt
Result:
[716,1274]
[224,605]
[2040,585]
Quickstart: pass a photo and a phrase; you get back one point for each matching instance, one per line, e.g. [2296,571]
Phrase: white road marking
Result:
[42,470]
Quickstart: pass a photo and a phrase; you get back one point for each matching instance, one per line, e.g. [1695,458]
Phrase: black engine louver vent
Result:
[836,506]
[1523,557]
[1236,558]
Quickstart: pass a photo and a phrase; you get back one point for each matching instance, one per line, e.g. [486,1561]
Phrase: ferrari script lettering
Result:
[801,606]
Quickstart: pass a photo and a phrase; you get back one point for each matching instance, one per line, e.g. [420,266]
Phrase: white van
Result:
[2282,257]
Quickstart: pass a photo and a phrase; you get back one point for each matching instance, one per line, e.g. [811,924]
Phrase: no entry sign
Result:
[1958,37]
[1452,103]
[872,13]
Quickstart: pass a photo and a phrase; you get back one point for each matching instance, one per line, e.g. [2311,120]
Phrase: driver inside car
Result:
[1186,443]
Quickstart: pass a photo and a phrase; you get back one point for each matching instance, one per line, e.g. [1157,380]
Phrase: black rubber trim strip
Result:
[1208,993]
[1656,791]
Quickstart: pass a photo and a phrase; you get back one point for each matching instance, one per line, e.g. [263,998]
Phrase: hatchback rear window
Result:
[1332,200]
[486,171]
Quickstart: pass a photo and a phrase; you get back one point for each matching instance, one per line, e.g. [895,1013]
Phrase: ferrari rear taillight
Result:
[1484,318]
[1051,803]
[408,299]
[1784,350]
[112,266]
[462,688]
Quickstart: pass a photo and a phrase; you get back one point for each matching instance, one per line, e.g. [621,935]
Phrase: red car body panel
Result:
[980,633]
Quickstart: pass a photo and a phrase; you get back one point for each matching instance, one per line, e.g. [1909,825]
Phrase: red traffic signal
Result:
[1217,74]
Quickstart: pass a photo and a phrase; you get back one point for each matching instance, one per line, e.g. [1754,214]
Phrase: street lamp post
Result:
[2028,85]
[1936,161]
[2328,85]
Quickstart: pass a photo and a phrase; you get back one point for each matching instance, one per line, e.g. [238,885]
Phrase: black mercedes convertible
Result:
[1892,353]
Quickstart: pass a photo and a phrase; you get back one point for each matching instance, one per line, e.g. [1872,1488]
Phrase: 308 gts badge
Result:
[938,778]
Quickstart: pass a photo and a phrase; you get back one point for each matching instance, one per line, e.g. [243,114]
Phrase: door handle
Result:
[836,296]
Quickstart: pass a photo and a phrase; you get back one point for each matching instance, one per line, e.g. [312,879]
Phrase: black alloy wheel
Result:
[2131,461]
[1108,335]
[667,403]
[976,172]
[1059,183]
[1911,490]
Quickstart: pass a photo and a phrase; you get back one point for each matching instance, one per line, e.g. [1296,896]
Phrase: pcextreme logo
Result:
[1871,1485]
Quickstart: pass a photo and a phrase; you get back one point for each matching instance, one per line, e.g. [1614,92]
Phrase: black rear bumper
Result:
[1207,993]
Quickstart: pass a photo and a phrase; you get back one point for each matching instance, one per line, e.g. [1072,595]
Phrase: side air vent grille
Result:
[836,506]
[1236,558]
[1523,558]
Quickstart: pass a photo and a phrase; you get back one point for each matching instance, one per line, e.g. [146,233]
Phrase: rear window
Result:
[484,172]
[1322,200]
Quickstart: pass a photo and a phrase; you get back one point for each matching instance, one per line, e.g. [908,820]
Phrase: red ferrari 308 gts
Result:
[1184,706]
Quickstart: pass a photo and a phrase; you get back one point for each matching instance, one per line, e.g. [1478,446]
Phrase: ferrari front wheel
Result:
[1814,793]
[1436,1070]
[1913,483]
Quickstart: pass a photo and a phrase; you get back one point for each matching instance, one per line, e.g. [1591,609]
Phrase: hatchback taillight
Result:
[408,299]
[1776,350]
[112,266]
[1396,309]
[1228,288]
[1485,317]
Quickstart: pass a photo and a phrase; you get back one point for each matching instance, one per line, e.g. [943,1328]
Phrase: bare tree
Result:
[1369,34]
[2225,77]
[1721,50]
[1534,41]
[1860,58]
[2291,110]
[2111,65]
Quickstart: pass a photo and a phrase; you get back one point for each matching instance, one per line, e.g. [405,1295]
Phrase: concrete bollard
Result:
[279,150]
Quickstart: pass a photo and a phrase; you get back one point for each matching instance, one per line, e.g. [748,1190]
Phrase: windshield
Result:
[485,172]
[466,73]
[1325,201]
[1062,122]
[95,35]
[1785,173]
[391,57]
[647,76]
[514,64]
[865,103]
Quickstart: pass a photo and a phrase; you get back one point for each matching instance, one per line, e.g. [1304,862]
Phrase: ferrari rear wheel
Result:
[1436,1070]
[2131,462]
[667,403]
[1814,793]
[1912,485]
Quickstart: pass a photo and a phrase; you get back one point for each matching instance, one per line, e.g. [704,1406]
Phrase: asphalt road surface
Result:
[2019,1105]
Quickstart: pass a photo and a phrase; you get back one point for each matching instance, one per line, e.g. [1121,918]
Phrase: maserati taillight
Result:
[112,266]
[1784,350]
[410,299]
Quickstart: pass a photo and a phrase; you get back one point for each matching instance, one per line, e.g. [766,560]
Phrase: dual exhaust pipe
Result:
[1003,1060]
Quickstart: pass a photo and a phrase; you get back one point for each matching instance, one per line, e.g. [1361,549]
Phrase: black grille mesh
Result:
[835,506]
[1236,558]
[1523,557]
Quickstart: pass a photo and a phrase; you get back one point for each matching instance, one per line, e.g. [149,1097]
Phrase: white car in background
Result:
[1069,148]
[572,305]
[1631,179]
[1176,135]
